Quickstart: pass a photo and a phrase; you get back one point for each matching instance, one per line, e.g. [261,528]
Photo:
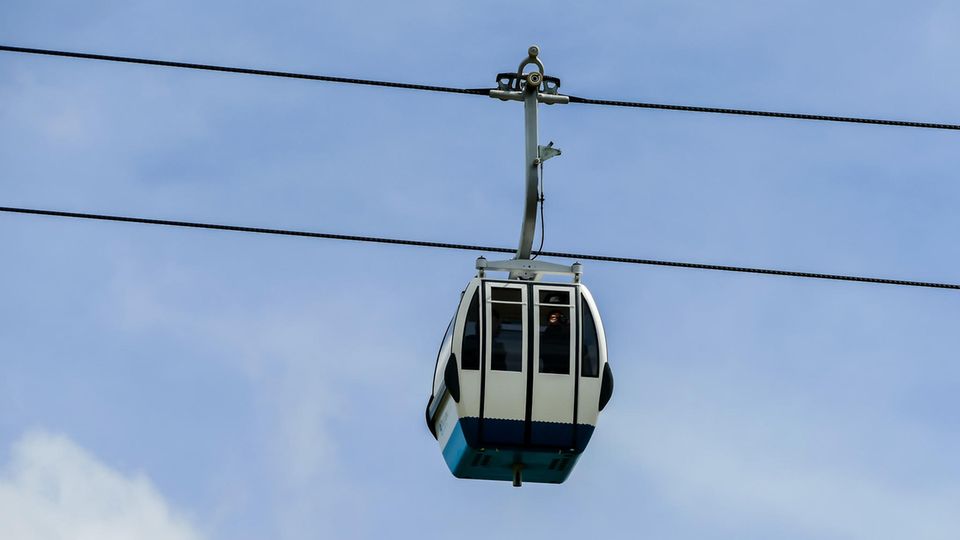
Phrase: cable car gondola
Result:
[522,371]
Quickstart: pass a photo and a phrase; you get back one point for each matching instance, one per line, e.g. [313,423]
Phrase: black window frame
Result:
[467,360]
[512,360]
[548,363]
[586,315]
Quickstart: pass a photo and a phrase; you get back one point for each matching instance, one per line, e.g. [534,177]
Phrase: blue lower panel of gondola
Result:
[490,451]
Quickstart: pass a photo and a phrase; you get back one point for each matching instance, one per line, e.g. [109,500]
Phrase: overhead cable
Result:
[473,91]
[469,247]
[244,71]
[769,114]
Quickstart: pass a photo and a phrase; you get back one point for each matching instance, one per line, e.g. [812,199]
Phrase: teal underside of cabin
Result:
[541,463]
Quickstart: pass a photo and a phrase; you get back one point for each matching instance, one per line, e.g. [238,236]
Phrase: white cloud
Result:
[291,351]
[732,469]
[51,489]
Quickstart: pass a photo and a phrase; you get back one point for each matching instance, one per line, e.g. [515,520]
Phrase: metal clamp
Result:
[531,58]
[527,269]
[534,80]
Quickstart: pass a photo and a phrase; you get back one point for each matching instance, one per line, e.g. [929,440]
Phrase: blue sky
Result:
[200,384]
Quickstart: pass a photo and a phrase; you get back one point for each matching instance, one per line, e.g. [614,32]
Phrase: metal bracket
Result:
[517,95]
[513,82]
[532,52]
[548,151]
[511,86]
[527,269]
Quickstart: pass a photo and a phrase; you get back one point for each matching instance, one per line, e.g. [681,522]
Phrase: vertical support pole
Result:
[531,159]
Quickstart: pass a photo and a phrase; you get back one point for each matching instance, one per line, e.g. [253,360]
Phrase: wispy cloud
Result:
[51,488]
[733,467]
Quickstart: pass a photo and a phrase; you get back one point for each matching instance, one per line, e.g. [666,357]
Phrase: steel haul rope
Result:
[472,91]
[469,247]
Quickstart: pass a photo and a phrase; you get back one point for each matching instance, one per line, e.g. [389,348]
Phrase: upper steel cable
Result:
[245,71]
[468,247]
[475,91]
[768,114]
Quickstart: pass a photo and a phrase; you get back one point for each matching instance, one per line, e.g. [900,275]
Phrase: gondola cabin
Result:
[520,379]
[522,371]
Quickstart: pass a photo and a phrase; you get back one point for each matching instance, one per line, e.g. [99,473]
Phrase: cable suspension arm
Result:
[468,247]
[473,91]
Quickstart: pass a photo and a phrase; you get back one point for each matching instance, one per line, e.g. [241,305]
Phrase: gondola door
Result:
[504,398]
[554,369]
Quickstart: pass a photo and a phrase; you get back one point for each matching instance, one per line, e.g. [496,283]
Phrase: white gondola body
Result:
[513,387]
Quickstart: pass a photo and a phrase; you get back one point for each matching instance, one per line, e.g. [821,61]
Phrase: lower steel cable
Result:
[469,247]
